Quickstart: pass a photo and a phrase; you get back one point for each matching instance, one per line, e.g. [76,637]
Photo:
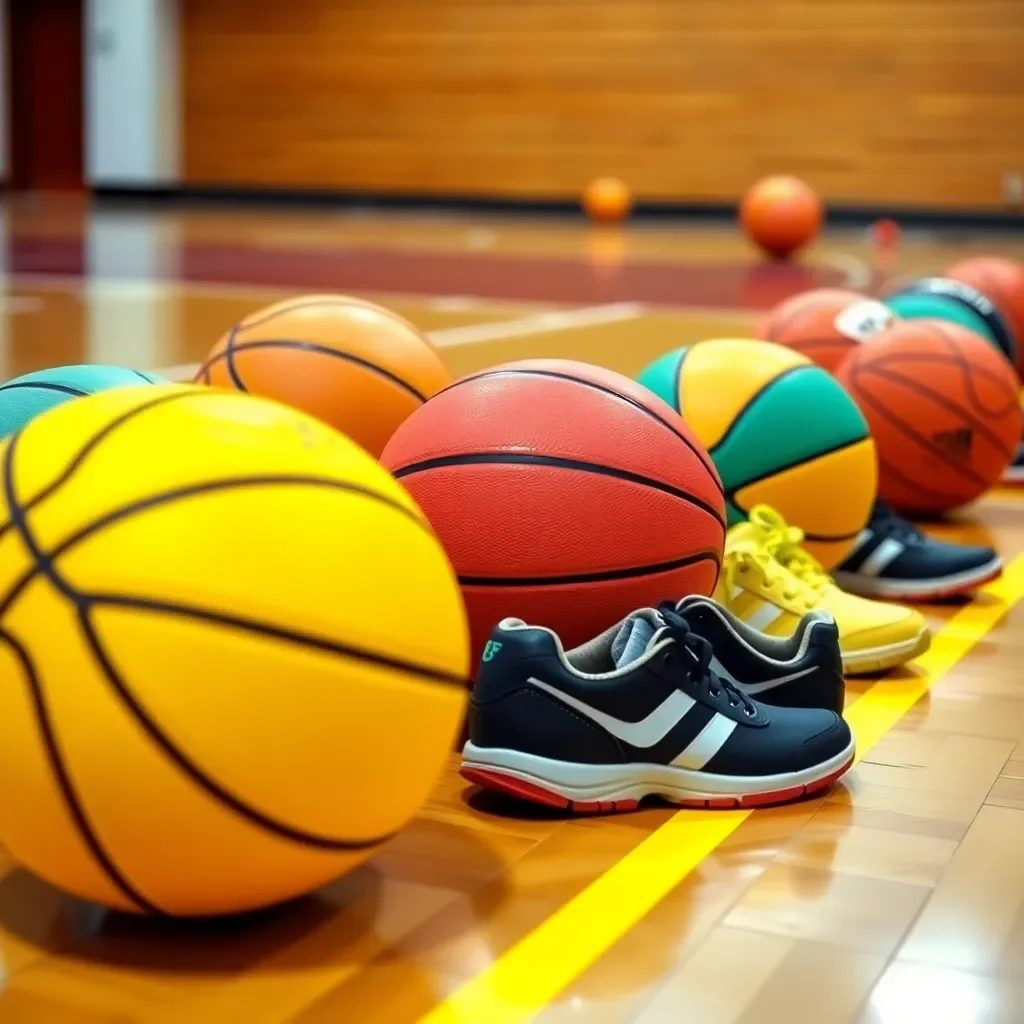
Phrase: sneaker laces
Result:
[783,542]
[889,523]
[711,686]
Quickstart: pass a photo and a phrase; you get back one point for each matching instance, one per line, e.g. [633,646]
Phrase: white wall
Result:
[131,92]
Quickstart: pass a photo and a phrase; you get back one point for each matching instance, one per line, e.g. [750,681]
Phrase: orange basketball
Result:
[565,494]
[942,405]
[607,199]
[825,323]
[1002,282]
[781,214]
[354,365]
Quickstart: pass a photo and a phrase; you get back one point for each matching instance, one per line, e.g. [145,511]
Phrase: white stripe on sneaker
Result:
[708,742]
[764,616]
[645,733]
[769,684]
[882,557]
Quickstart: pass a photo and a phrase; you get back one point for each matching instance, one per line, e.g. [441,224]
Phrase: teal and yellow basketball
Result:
[781,431]
[24,398]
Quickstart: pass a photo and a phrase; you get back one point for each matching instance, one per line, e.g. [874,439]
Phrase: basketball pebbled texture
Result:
[564,494]
[943,407]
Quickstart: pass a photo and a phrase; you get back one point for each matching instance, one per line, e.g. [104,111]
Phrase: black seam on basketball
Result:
[592,577]
[730,494]
[320,643]
[45,385]
[91,444]
[939,360]
[233,349]
[66,787]
[555,462]
[190,768]
[229,361]
[915,486]
[677,381]
[147,379]
[904,428]
[965,367]
[745,408]
[297,304]
[704,458]
[816,343]
[939,399]
[83,602]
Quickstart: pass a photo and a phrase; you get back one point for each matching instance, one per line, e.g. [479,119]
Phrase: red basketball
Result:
[565,494]
[824,324]
[1002,283]
[942,405]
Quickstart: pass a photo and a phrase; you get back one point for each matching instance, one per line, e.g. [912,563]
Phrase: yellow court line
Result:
[526,978]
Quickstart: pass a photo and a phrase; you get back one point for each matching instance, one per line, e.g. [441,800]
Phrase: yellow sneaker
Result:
[769,581]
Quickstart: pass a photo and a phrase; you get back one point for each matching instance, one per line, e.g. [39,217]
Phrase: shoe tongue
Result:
[640,632]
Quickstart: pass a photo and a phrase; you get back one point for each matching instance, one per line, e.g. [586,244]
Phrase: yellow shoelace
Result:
[771,544]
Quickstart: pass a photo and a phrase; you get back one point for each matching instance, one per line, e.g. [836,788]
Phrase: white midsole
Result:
[590,782]
[877,587]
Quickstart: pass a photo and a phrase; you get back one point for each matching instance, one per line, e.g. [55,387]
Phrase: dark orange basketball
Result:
[357,366]
[942,405]
[1002,283]
[565,494]
[781,214]
[825,323]
[607,200]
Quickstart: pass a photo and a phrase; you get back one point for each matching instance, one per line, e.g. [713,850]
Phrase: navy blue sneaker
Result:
[804,670]
[637,712]
[893,560]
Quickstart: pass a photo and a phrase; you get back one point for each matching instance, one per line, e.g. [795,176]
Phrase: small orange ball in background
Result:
[1001,281]
[781,214]
[824,324]
[352,364]
[607,200]
[942,405]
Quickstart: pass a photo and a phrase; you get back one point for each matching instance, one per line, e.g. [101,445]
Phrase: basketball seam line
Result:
[702,456]
[65,783]
[556,462]
[965,366]
[677,381]
[745,408]
[301,303]
[913,485]
[75,463]
[905,428]
[45,385]
[972,416]
[821,538]
[293,636]
[922,357]
[730,494]
[232,349]
[596,577]
[229,360]
[81,601]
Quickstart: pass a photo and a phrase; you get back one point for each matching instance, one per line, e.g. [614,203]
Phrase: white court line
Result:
[475,334]
[857,272]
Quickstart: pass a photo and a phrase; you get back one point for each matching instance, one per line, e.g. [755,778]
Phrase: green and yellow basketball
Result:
[781,431]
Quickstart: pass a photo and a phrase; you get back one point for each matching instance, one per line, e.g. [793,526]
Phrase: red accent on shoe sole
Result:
[935,595]
[535,794]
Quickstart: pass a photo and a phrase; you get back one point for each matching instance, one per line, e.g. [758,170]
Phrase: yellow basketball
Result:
[781,432]
[234,654]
